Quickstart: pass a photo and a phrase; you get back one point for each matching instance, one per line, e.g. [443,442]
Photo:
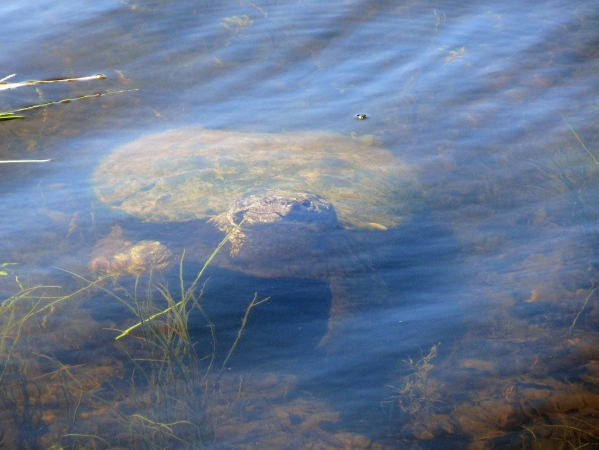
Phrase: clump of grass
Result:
[20,310]
[563,432]
[173,389]
[174,385]
[21,397]
[418,393]
[13,115]
[23,379]
[419,399]
[10,115]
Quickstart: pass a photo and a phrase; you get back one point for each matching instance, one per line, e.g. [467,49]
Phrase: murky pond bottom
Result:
[518,369]
[174,378]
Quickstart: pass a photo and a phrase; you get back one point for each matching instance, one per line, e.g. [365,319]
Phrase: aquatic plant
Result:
[23,380]
[173,388]
[563,432]
[173,384]
[11,115]
[29,305]
[20,397]
[419,398]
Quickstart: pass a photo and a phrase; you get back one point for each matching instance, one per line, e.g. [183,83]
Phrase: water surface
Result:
[485,335]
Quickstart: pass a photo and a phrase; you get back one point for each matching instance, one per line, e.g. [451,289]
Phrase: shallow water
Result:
[476,324]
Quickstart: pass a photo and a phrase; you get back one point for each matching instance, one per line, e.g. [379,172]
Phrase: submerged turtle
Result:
[296,194]
[189,174]
[276,224]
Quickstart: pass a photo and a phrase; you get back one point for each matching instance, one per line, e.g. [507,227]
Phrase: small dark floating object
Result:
[361,116]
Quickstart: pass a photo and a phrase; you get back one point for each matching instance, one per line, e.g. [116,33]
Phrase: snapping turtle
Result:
[296,194]
[276,224]
[189,174]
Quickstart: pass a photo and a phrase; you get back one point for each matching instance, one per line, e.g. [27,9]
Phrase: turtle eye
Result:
[306,203]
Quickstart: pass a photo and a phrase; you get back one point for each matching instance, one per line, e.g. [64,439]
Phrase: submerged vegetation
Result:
[152,385]
[526,373]
[419,397]
[560,431]
[173,387]
[12,115]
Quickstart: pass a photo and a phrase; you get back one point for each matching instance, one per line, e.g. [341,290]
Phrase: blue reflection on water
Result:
[477,98]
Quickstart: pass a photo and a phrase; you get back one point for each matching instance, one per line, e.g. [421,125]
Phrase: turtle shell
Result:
[194,173]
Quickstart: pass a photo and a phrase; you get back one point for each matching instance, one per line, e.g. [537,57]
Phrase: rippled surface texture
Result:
[452,304]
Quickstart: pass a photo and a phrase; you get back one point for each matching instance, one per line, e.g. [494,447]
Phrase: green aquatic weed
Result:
[4,273]
[419,397]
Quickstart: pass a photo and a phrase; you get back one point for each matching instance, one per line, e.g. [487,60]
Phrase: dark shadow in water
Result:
[418,265]
[279,333]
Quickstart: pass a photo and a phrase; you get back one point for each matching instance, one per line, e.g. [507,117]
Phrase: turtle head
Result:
[294,209]
[273,219]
